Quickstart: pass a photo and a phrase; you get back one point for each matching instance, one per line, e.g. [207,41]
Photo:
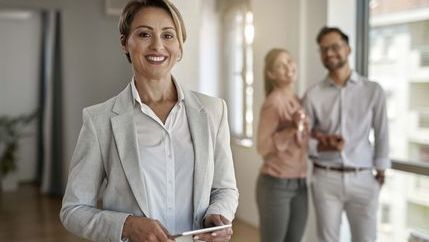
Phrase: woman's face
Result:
[152,44]
[283,70]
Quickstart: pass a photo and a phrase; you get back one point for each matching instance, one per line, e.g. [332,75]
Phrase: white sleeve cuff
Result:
[382,163]
[312,148]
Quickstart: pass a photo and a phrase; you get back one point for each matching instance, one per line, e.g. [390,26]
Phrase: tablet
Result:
[202,231]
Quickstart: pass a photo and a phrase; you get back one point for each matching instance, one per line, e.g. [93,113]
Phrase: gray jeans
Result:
[283,208]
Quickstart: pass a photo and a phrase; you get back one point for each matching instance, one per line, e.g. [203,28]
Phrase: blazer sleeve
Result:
[224,193]
[79,213]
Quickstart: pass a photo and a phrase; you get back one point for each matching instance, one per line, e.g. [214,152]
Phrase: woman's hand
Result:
[300,122]
[217,236]
[138,229]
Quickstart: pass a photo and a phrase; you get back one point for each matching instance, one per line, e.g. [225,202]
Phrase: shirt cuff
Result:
[382,163]
[222,212]
[312,148]
[124,239]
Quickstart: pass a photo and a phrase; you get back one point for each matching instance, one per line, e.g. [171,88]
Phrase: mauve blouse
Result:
[284,156]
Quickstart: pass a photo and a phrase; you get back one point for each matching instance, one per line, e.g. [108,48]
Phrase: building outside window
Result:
[399,61]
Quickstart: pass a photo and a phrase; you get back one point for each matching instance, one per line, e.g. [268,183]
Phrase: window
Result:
[404,209]
[398,60]
[385,211]
[237,59]
[424,58]
[399,38]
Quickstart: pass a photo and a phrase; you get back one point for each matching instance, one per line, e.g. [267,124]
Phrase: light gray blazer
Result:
[105,165]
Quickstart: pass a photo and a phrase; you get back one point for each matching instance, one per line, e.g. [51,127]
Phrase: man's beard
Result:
[335,66]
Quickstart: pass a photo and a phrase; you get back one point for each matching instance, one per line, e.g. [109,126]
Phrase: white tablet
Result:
[202,231]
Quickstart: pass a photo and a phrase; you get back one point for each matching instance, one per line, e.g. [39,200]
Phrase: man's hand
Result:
[380,177]
[328,142]
[138,229]
[217,236]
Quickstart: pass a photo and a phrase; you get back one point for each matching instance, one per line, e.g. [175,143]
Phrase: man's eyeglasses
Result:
[334,48]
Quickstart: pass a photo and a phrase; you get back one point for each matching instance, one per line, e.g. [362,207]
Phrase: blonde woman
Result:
[282,143]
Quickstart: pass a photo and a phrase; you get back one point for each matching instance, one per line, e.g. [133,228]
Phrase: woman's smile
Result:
[156,59]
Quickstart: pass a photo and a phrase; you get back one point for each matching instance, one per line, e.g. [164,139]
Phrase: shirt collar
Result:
[354,79]
[136,96]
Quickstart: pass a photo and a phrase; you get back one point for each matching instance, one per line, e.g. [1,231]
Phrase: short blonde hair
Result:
[134,6]
[270,58]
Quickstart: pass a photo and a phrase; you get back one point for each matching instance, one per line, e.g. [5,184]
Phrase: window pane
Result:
[406,217]
[233,57]
[398,60]
[236,105]
[238,69]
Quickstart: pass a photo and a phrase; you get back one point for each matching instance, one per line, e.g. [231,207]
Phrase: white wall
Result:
[343,15]
[210,37]
[187,70]
[314,17]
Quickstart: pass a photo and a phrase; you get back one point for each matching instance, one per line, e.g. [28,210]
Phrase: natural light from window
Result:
[399,61]
[238,69]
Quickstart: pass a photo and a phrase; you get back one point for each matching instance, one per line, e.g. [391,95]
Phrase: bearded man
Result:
[349,170]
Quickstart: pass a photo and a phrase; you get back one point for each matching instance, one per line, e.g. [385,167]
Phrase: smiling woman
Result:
[152,45]
[142,200]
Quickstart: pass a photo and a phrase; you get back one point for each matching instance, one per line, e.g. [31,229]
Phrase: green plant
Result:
[10,132]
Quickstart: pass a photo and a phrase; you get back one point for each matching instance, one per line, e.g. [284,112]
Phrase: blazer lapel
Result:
[198,124]
[124,132]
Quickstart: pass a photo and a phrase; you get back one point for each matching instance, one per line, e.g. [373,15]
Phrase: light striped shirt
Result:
[352,111]
[166,156]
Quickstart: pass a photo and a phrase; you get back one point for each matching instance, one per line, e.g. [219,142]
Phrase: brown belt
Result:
[341,169]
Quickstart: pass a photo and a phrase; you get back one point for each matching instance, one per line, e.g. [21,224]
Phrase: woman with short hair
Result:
[157,155]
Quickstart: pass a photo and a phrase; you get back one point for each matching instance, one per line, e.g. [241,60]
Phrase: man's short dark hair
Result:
[327,30]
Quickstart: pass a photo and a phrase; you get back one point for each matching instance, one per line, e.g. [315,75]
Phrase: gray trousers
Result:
[355,193]
[283,208]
